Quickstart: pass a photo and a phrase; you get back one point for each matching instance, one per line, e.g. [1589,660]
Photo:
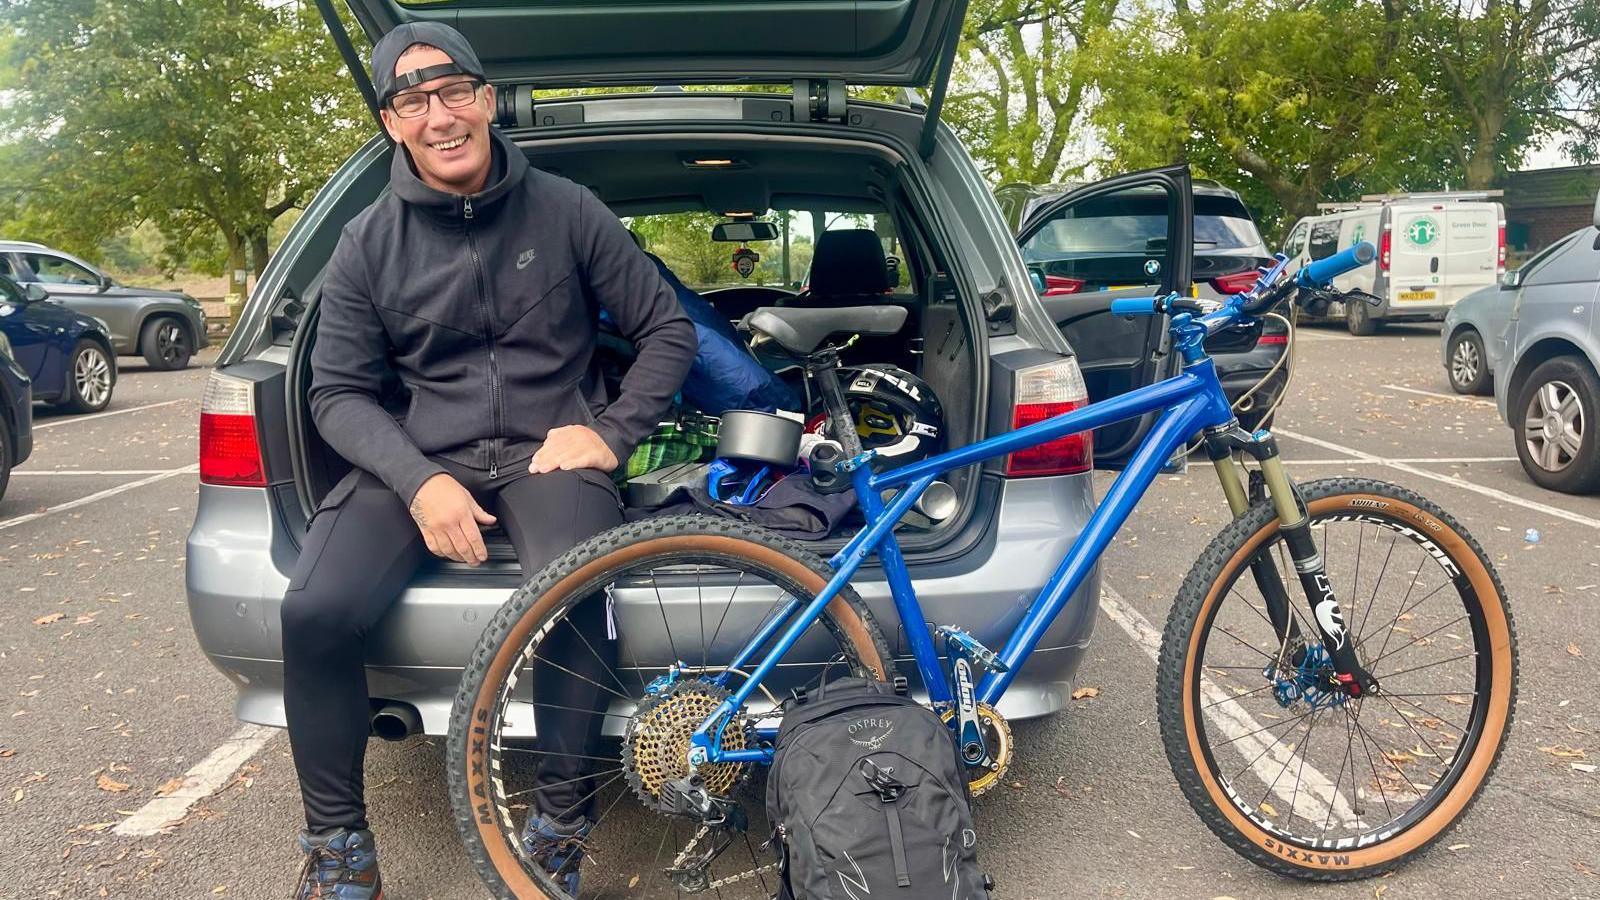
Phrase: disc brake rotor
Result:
[655,746]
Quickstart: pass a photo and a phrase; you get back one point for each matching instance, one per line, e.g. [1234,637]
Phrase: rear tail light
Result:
[230,449]
[1042,392]
[1383,250]
[1500,264]
[1056,285]
[1269,339]
[1237,283]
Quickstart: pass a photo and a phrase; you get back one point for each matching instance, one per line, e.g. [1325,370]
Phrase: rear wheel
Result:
[1358,318]
[165,343]
[90,378]
[1468,368]
[686,594]
[1557,423]
[1306,781]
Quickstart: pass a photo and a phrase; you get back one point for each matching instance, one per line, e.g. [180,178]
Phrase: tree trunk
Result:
[238,277]
[258,252]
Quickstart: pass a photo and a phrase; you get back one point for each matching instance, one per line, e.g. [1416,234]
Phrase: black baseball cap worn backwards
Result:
[387,52]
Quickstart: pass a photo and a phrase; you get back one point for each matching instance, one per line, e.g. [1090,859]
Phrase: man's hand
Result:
[572,447]
[449,518]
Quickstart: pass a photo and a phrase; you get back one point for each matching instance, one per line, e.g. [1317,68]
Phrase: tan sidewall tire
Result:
[1269,849]
[576,574]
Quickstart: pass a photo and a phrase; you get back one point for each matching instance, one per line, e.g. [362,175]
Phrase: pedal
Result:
[957,640]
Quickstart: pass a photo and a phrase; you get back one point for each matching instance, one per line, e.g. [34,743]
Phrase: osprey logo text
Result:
[525,257]
[870,733]
[1328,615]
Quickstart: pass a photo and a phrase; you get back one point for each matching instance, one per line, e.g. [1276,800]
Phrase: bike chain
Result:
[677,863]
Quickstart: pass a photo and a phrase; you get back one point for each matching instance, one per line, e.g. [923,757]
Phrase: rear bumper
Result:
[238,559]
[1396,313]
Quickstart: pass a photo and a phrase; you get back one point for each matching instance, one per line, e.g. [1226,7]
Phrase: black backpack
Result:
[868,799]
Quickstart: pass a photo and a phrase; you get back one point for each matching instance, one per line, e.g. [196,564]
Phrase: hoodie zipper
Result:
[488,339]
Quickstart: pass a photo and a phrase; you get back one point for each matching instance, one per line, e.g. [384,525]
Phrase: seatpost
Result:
[823,367]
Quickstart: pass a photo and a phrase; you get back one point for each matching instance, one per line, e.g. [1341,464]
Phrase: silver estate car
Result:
[1545,381]
[976,331]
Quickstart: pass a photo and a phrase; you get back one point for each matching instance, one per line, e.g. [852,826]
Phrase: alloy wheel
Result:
[91,374]
[1553,425]
[1465,362]
[170,342]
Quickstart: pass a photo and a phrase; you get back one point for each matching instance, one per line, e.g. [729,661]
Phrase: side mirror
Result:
[1511,280]
[35,292]
[105,282]
[1037,278]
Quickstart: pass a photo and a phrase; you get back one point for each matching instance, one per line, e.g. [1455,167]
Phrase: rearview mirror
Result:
[35,292]
[742,232]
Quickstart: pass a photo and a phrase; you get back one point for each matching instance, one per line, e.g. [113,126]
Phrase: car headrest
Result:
[849,261]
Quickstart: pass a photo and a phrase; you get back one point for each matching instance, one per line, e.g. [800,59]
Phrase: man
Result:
[478,282]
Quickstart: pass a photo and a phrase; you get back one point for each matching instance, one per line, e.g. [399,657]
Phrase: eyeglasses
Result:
[455,95]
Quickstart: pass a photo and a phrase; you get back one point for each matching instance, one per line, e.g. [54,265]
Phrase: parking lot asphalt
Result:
[110,703]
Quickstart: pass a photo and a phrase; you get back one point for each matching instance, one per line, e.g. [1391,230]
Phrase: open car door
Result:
[1127,236]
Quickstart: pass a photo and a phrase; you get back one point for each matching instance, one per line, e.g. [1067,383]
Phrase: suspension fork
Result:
[1295,526]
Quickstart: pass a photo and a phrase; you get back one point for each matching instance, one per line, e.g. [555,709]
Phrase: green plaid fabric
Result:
[691,437]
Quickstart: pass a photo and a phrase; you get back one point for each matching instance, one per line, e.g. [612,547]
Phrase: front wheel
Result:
[165,343]
[91,379]
[1308,782]
[614,706]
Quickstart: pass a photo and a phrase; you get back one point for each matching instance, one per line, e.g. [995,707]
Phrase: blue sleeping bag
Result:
[724,375]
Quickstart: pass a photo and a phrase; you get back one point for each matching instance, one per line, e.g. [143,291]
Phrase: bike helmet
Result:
[895,412]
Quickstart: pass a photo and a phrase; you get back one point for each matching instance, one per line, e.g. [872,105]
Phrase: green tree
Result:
[1511,72]
[208,118]
[1020,87]
[1290,102]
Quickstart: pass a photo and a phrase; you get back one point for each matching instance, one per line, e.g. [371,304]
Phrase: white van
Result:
[1433,249]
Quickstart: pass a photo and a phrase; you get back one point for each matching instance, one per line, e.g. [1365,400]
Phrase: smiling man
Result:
[477,283]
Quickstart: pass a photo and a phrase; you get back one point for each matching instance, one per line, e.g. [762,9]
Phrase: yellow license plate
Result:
[1416,295]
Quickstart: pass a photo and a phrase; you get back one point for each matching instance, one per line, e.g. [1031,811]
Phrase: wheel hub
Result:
[655,746]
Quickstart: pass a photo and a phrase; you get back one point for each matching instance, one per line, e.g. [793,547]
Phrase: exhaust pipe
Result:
[396,722]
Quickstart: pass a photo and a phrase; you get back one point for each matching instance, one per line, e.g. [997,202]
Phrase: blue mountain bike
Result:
[1336,679]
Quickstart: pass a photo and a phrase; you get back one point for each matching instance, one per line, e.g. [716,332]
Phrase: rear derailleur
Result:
[720,818]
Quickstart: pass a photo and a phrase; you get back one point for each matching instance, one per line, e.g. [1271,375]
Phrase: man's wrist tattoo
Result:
[416,514]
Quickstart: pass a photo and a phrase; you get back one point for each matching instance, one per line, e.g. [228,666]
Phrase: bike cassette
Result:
[997,740]
[655,745]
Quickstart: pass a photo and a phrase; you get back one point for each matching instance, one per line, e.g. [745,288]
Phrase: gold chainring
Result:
[655,747]
[997,739]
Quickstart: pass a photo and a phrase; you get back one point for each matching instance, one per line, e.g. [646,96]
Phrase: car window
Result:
[1324,239]
[10,292]
[1296,241]
[1567,261]
[683,241]
[55,270]
[7,268]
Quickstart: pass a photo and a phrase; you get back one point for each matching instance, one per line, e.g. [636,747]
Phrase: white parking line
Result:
[96,496]
[1308,334]
[199,782]
[1475,401]
[1310,797]
[77,420]
[99,472]
[1409,469]
[1335,461]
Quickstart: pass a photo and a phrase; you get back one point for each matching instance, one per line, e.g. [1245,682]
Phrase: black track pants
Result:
[359,554]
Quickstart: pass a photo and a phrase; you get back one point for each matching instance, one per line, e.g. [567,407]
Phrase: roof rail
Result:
[1369,200]
[24,243]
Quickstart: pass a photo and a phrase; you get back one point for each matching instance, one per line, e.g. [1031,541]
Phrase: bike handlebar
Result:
[1321,273]
[1135,306]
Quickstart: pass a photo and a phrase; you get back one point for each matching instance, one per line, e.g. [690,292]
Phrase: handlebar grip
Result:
[1323,271]
[1135,306]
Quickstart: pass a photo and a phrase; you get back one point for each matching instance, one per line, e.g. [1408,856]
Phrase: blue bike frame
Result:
[1189,402]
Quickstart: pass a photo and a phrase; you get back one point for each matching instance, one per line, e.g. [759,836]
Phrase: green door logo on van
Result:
[1422,231]
[1358,233]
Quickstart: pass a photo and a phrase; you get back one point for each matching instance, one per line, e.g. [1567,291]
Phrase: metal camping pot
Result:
[759,436]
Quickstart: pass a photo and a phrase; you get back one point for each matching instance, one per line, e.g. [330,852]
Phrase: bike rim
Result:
[92,376]
[1553,426]
[630,844]
[1384,802]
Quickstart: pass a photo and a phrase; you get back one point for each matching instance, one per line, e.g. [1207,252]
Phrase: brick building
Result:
[1544,204]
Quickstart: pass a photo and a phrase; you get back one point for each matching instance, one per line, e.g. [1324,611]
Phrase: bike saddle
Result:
[800,330]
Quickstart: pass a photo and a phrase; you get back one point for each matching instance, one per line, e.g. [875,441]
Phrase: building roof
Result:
[1564,186]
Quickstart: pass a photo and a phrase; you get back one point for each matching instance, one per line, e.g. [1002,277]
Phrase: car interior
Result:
[852,236]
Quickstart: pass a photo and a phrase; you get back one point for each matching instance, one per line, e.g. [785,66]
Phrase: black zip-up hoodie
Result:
[486,306]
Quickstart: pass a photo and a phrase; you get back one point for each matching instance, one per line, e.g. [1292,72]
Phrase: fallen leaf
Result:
[1585,768]
[48,619]
[171,785]
[1572,650]
[7,753]
[1458,846]
[107,783]
[633,882]
[1083,692]
[1562,751]
[1135,834]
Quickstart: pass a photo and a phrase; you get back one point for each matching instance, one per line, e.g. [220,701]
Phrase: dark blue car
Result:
[16,406]
[67,355]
